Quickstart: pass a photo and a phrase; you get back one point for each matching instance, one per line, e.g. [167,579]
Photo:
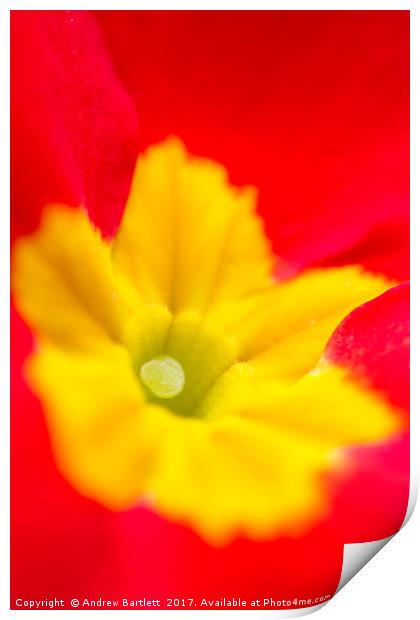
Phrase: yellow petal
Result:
[284,330]
[105,435]
[188,239]
[63,281]
[239,478]
[325,406]
[69,291]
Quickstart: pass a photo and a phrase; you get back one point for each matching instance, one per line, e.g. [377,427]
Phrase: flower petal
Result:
[58,537]
[374,342]
[157,558]
[66,268]
[103,434]
[386,250]
[187,237]
[310,107]
[371,497]
[326,407]
[74,128]
[282,331]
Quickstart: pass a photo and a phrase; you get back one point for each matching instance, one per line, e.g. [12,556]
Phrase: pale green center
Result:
[164,376]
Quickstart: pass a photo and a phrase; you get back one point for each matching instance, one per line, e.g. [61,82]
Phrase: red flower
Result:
[312,108]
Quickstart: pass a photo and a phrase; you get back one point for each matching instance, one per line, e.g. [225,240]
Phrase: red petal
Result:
[311,107]
[374,342]
[73,126]
[59,540]
[385,250]
[371,503]
[159,559]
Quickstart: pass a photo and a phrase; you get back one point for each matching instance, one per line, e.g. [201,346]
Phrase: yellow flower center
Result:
[175,371]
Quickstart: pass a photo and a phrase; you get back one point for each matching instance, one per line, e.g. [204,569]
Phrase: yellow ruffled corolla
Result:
[176,372]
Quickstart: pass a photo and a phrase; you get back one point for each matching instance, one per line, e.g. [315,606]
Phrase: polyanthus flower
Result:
[199,385]
[175,370]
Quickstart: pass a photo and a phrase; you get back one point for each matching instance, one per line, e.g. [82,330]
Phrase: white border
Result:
[4,236]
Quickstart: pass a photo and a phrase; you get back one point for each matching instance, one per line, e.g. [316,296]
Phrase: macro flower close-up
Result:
[210,301]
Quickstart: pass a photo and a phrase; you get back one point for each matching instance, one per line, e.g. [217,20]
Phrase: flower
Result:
[170,356]
[175,369]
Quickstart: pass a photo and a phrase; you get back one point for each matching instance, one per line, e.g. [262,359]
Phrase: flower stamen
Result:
[164,376]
